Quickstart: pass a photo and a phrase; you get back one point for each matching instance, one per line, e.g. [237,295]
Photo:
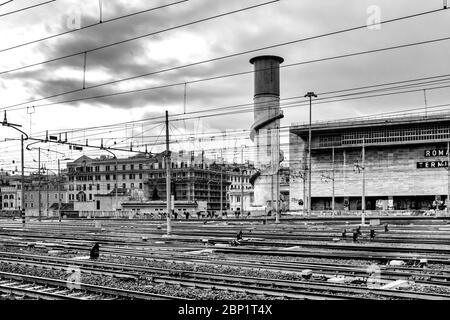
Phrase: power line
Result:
[284,104]
[91,25]
[225,57]
[26,8]
[200,80]
[140,37]
[2,4]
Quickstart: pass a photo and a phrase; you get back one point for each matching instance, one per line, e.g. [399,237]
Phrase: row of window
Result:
[386,135]
[8,204]
[106,168]
[90,187]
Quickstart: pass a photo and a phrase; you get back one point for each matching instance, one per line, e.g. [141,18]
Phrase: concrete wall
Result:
[391,171]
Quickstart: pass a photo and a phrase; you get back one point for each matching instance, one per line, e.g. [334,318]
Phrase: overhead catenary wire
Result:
[91,25]
[3,3]
[26,8]
[14,106]
[283,104]
[140,37]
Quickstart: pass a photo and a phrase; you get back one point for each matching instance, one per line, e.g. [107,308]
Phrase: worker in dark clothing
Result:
[358,230]
[344,234]
[355,236]
[95,251]
[239,235]
[187,215]
[386,227]
[175,215]
[372,233]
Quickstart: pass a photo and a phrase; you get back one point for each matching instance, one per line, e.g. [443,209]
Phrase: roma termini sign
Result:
[436,153]
[432,164]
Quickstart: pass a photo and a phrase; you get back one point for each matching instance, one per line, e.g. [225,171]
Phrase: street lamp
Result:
[310,95]
[5,123]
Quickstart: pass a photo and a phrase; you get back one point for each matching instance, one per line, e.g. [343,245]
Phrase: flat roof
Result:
[371,122]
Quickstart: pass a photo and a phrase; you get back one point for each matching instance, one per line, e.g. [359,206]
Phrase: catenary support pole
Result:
[333,200]
[22,198]
[59,191]
[168,179]
[448,176]
[310,95]
[363,201]
[242,181]
[39,184]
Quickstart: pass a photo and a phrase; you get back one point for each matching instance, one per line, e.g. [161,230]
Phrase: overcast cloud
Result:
[285,20]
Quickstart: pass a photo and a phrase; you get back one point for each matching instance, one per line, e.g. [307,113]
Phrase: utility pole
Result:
[59,191]
[221,190]
[448,176]
[22,198]
[48,182]
[277,204]
[363,202]
[39,185]
[310,95]
[304,190]
[168,179]
[242,181]
[271,192]
[332,178]
[117,183]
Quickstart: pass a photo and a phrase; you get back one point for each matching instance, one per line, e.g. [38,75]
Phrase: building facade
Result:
[89,177]
[393,163]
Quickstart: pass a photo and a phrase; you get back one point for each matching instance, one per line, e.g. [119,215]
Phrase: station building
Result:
[403,161]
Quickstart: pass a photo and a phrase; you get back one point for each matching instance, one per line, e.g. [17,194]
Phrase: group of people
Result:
[356,233]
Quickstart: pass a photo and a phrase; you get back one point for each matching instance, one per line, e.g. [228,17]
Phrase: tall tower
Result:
[265,131]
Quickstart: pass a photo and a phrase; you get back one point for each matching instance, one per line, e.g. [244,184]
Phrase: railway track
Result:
[46,288]
[250,285]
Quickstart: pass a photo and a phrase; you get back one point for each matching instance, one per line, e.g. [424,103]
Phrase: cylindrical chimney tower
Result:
[265,130]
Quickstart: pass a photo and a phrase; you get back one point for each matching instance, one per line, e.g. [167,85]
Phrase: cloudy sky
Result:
[274,23]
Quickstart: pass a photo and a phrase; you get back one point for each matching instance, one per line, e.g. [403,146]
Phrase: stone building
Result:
[403,162]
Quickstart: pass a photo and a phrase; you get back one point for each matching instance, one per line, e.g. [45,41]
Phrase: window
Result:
[32,204]
[108,186]
[124,167]
[6,196]
[108,168]
[56,196]
[90,196]
[98,187]
[132,167]
[97,168]
[132,186]
[124,185]
[140,186]
[140,175]
[124,176]
[5,205]
[140,166]
[107,177]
